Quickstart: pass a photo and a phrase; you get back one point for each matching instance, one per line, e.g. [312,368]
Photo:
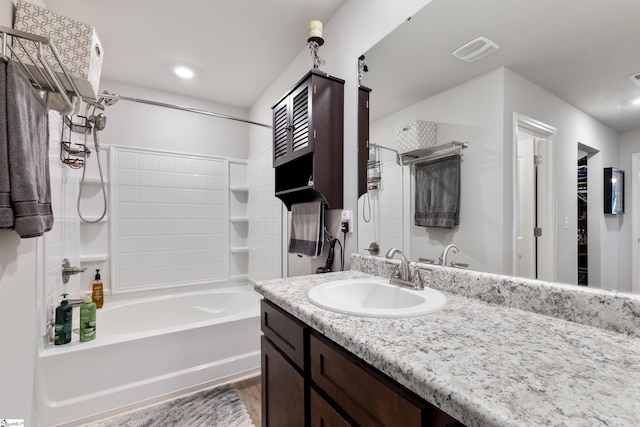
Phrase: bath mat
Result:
[217,407]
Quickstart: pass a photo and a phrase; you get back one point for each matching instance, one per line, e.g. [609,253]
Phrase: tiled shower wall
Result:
[383,210]
[69,238]
[63,240]
[265,220]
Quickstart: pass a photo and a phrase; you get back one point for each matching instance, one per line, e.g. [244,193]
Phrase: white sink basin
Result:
[375,297]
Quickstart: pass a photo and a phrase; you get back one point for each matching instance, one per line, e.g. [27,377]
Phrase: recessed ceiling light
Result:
[636,101]
[183,72]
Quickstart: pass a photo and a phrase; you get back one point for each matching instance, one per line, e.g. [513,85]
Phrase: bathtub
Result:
[149,350]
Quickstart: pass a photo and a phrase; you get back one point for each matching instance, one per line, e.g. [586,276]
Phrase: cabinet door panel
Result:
[368,399]
[284,331]
[282,390]
[322,414]
[301,142]
[280,133]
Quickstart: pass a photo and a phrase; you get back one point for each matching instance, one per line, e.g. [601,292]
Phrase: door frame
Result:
[548,270]
[633,193]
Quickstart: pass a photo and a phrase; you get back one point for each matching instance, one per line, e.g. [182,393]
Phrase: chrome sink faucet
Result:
[401,275]
[445,253]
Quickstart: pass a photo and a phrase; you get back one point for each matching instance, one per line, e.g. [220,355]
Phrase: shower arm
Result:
[180,107]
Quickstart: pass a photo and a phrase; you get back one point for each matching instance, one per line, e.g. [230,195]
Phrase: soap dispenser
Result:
[64,313]
[87,319]
[97,296]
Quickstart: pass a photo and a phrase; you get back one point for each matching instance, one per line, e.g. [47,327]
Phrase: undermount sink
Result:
[375,297]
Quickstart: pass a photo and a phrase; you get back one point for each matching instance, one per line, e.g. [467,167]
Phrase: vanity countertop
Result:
[486,364]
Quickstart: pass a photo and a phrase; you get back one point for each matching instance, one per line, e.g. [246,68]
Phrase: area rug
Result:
[217,407]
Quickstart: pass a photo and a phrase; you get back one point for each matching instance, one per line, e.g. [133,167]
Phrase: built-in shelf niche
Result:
[238,220]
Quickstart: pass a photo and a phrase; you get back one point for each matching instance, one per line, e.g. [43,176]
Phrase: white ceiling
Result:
[236,47]
[583,51]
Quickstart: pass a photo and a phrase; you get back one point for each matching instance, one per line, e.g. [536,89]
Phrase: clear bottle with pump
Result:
[87,319]
[64,316]
[97,295]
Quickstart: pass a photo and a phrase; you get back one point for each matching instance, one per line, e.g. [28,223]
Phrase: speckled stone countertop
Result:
[487,363]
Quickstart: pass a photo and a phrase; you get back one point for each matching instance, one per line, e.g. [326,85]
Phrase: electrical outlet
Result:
[346,225]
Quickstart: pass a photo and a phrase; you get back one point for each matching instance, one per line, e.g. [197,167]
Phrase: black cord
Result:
[341,255]
[344,238]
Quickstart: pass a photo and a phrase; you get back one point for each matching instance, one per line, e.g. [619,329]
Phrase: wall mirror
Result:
[559,90]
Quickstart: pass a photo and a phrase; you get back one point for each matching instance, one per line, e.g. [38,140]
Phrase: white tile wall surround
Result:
[385,226]
[265,219]
[170,219]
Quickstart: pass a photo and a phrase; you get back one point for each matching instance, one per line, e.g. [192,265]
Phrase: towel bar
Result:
[41,75]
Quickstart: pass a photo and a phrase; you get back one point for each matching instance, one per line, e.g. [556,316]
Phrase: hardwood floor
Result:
[250,393]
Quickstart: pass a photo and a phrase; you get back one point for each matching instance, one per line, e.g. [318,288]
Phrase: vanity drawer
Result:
[368,398]
[286,332]
[322,414]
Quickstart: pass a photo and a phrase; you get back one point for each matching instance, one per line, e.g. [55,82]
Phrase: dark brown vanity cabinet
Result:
[308,134]
[309,381]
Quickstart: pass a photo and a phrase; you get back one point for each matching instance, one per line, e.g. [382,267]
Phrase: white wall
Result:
[355,27]
[18,291]
[573,127]
[149,126]
[629,144]
[471,112]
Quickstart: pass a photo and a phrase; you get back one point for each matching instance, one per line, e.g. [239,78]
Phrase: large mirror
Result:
[543,116]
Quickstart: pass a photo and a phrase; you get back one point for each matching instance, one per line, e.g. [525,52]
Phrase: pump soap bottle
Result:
[64,313]
[87,319]
[97,296]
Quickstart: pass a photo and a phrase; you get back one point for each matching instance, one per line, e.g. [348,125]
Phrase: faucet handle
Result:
[420,277]
[459,264]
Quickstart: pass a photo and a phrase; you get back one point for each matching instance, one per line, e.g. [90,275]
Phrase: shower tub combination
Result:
[148,350]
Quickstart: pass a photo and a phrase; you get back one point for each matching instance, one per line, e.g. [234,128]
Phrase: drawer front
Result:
[322,414]
[368,398]
[282,390]
[286,332]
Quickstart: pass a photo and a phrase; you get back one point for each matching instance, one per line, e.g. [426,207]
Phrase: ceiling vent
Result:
[635,78]
[476,49]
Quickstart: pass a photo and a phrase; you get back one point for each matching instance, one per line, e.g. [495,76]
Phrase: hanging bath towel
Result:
[24,147]
[307,229]
[437,193]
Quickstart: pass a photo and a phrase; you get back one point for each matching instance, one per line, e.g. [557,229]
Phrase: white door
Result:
[525,239]
[634,191]
[534,205]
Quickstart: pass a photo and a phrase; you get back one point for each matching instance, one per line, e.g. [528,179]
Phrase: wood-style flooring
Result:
[250,393]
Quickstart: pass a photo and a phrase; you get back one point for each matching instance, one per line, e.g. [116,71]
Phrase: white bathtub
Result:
[150,349]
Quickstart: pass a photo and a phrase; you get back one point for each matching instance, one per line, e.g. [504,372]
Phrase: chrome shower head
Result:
[99,120]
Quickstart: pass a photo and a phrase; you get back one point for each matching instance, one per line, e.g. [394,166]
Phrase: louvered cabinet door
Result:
[301,137]
[281,135]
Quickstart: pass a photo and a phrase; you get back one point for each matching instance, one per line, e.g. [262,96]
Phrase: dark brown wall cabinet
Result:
[309,381]
[363,138]
[308,133]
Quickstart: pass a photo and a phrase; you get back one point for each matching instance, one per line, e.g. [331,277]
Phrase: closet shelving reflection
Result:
[39,59]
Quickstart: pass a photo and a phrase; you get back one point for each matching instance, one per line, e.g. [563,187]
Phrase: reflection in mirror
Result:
[560,83]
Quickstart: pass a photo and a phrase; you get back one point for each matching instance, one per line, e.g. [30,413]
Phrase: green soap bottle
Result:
[64,313]
[87,319]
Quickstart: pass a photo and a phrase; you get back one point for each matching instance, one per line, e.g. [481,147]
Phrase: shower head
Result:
[99,120]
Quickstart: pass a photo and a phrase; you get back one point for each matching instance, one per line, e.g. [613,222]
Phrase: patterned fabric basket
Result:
[76,42]
[415,135]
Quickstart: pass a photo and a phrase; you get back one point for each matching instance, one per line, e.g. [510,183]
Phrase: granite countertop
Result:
[485,364]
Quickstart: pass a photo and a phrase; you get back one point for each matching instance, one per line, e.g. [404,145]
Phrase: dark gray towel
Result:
[438,193]
[27,150]
[6,213]
[307,229]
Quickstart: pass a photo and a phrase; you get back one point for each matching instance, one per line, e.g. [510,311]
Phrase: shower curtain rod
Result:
[179,107]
